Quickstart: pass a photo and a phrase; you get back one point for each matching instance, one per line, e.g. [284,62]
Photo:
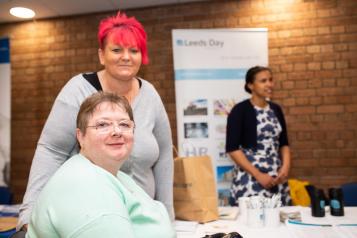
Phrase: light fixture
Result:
[22,12]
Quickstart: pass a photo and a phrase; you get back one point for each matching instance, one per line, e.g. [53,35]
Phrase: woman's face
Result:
[262,85]
[109,145]
[120,62]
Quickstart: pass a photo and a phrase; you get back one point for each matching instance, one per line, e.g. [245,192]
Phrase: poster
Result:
[5,110]
[210,67]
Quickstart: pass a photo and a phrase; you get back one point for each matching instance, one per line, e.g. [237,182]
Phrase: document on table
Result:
[186,226]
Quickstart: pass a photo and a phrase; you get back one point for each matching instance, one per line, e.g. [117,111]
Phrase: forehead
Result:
[263,74]
[121,37]
[110,110]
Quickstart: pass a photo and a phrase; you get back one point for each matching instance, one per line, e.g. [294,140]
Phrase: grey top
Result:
[150,163]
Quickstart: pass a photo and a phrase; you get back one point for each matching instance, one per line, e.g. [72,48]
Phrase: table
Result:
[284,231]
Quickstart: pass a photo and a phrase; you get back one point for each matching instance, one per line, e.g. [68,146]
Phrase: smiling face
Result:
[262,85]
[121,62]
[106,148]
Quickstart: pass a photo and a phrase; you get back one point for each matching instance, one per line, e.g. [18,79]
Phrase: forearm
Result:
[285,156]
[241,160]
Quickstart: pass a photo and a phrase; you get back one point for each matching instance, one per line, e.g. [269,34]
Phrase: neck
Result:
[126,88]
[112,166]
[258,101]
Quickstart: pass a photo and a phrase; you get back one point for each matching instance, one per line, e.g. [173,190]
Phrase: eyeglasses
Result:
[104,127]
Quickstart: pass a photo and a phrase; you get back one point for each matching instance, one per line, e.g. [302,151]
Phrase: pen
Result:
[307,224]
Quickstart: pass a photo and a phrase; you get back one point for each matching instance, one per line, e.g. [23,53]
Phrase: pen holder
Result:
[255,217]
[272,217]
[243,209]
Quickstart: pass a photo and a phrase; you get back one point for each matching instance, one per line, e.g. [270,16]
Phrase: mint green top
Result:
[84,200]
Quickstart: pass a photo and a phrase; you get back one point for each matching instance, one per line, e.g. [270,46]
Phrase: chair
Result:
[349,194]
[5,195]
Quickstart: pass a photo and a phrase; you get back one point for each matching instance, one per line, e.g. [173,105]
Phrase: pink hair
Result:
[125,31]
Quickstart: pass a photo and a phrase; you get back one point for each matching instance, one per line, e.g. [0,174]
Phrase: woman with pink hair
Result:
[122,51]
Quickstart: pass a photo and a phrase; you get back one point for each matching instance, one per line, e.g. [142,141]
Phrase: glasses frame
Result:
[112,125]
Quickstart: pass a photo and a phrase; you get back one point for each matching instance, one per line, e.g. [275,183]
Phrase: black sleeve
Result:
[234,133]
[283,139]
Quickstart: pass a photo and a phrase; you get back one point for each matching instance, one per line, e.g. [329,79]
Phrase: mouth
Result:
[116,144]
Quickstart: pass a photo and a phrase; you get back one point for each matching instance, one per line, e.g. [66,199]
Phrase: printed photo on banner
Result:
[196,130]
[222,107]
[197,107]
[223,196]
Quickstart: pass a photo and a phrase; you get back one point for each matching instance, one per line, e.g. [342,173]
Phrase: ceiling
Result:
[57,8]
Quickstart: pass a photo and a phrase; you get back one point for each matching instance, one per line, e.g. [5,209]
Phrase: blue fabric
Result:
[8,233]
[4,50]
[5,195]
[349,194]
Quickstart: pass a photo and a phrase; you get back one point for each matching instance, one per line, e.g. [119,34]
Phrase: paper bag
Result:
[195,197]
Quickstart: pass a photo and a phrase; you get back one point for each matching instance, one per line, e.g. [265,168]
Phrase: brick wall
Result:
[312,50]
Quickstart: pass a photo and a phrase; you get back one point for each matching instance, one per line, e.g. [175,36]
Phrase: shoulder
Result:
[148,89]
[275,106]
[76,90]
[241,106]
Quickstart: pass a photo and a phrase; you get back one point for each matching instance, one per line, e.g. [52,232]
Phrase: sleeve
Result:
[234,131]
[54,147]
[108,226]
[283,139]
[163,168]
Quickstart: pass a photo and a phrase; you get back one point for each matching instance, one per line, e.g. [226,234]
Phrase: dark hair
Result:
[250,76]
[91,103]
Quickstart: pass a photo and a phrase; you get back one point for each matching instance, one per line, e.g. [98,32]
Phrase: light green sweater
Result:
[83,200]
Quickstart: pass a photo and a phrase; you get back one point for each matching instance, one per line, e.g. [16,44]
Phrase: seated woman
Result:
[88,196]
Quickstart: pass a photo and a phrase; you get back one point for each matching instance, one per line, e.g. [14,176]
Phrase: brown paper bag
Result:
[195,197]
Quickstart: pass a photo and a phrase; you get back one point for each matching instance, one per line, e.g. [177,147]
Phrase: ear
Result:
[250,86]
[80,137]
[101,56]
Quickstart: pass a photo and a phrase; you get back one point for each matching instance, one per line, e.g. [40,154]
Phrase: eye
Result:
[125,124]
[134,50]
[117,50]
[102,125]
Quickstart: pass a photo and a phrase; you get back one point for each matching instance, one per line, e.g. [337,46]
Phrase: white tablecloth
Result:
[284,231]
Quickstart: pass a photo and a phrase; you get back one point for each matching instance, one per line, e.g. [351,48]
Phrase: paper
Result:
[185,226]
[228,213]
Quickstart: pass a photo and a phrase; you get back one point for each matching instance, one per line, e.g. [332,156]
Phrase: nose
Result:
[116,130]
[126,54]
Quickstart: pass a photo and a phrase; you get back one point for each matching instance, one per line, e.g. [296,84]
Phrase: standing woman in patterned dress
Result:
[257,141]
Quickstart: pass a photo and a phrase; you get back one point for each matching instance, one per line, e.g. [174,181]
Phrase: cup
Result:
[336,201]
[272,217]
[318,203]
[255,217]
[242,203]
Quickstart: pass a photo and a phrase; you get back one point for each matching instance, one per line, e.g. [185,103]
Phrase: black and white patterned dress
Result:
[265,158]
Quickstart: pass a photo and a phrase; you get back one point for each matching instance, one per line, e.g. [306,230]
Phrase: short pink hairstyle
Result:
[125,31]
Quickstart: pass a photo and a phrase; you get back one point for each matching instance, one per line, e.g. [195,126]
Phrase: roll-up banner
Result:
[5,110]
[210,67]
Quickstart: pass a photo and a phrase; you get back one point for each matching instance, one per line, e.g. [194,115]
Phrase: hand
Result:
[283,174]
[266,180]
[24,228]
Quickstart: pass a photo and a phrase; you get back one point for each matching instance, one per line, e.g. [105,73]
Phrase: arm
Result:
[163,168]
[53,149]
[108,226]
[283,172]
[241,160]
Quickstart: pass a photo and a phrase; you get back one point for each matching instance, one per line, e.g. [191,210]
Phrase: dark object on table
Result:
[224,235]
[336,201]
[19,234]
[349,194]
[318,201]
